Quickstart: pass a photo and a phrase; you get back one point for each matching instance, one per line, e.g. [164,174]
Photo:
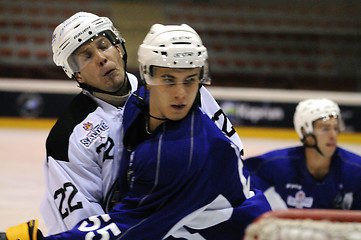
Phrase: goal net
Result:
[310,224]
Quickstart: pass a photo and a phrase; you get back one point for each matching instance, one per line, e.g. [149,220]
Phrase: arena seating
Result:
[271,39]
[288,45]
[26,28]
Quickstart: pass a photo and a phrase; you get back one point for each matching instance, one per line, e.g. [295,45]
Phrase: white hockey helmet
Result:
[172,46]
[75,31]
[310,110]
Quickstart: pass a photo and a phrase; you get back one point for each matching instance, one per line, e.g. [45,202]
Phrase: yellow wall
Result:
[134,20]
[254,132]
[280,133]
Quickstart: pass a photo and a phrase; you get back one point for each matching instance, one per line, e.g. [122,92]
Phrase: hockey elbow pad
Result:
[25,231]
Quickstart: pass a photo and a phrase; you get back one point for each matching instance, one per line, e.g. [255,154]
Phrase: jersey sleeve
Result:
[211,108]
[259,181]
[255,165]
[73,188]
[65,203]
[76,169]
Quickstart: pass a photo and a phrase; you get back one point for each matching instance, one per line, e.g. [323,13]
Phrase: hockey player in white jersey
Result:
[85,145]
[180,176]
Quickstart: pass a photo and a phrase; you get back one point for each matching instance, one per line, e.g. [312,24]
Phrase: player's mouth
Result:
[109,72]
[178,106]
[331,145]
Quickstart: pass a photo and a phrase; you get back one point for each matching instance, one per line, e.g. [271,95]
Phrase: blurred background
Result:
[293,49]
[265,56]
[252,43]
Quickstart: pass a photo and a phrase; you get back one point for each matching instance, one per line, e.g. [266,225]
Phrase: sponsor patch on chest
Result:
[300,200]
[93,132]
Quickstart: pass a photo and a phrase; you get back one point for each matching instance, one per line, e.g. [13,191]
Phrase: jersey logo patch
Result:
[93,132]
[87,126]
[300,200]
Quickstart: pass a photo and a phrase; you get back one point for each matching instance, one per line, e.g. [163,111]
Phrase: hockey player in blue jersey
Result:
[318,174]
[84,147]
[180,176]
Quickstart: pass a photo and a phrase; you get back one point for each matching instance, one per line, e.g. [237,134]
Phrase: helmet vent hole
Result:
[164,53]
[90,32]
[79,40]
[175,43]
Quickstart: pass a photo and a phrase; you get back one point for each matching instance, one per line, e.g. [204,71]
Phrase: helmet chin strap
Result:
[142,105]
[92,89]
[145,110]
[304,141]
[110,97]
[162,119]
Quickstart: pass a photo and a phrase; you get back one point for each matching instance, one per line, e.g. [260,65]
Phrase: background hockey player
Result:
[318,174]
[85,145]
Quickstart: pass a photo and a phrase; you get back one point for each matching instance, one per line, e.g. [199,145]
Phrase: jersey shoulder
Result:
[134,82]
[345,154]
[211,134]
[351,162]
[58,139]
[208,124]
[277,158]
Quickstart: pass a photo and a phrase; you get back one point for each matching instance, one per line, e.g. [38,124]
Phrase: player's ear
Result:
[308,138]
[78,77]
[304,136]
[303,131]
[119,50]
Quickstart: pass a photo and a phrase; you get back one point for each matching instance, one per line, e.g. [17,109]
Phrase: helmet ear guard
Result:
[142,73]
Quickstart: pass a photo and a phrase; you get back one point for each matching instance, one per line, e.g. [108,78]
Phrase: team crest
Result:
[87,126]
[94,132]
[300,200]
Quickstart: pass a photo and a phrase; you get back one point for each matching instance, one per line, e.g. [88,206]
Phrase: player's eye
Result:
[104,45]
[190,81]
[83,58]
[168,81]
[86,55]
[325,129]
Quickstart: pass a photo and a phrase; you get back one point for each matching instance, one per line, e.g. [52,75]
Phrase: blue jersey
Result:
[285,179]
[185,180]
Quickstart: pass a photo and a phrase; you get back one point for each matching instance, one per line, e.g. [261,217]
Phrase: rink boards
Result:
[269,109]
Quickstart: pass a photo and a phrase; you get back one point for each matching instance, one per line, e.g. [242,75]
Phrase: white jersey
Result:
[210,107]
[83,154]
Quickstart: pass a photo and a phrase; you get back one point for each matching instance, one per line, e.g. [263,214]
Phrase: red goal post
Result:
[317,224]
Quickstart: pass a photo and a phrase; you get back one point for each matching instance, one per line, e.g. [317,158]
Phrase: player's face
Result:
[173,92]
[326,132]
[100,64]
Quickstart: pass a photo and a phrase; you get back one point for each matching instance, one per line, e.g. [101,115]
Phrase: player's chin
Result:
[177,116]
[330,151]
[115,77]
